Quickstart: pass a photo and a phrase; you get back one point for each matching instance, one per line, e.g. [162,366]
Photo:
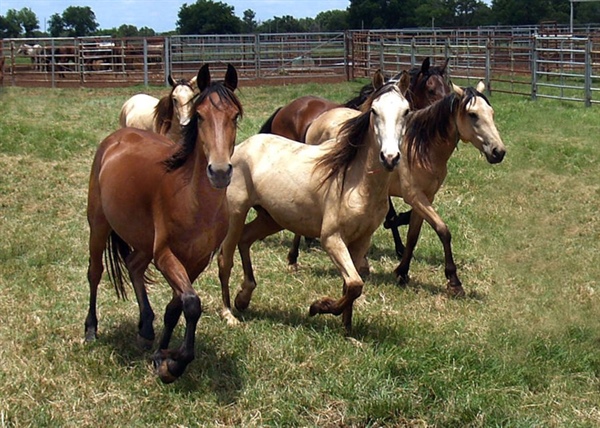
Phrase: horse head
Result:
[428,84]
[182,96]
[389,109]
[217,111]
[475,121]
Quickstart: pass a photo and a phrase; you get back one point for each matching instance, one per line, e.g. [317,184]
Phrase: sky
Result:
[161,15]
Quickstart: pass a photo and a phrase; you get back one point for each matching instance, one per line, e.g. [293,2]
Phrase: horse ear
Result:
[443,69]
[425,66]
[203,78]
[404,82]
[480,86]
[378,79]
[193,81]
[231,78]
[171,81]
[457,89]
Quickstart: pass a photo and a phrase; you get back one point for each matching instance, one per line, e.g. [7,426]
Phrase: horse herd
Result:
[170,188]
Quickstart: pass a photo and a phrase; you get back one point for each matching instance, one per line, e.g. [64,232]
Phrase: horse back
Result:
[292,121]
[138,112]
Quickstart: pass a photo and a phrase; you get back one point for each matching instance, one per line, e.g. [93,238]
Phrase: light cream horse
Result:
[336,191]
[431,137]
[167,115]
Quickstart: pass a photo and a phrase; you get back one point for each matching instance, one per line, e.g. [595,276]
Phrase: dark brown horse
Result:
[153,200]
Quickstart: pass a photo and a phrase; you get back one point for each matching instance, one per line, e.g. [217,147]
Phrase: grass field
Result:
[521,350]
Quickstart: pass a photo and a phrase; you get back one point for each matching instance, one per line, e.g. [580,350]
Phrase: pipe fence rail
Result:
[546,61]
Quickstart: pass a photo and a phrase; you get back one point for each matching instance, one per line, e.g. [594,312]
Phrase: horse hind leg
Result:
[99,232]
[292,256]
[259,228]
[137,263]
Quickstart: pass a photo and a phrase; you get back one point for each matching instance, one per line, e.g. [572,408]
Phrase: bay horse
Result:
[153,200]
[332,192]
[432,136]
[167,115]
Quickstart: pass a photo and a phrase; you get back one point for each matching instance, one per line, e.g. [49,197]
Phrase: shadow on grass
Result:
[211,369]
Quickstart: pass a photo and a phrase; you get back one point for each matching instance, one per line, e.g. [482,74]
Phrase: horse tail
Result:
[116,252]
[267,127]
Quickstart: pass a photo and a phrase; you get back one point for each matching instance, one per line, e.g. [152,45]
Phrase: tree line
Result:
[215,17]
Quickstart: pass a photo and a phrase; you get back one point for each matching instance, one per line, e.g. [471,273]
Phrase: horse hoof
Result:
[293,267]
[229,318]
[162,370]
[90,336]
[456,291]
[143,343]
[403,279]
[241,304]
[323,306]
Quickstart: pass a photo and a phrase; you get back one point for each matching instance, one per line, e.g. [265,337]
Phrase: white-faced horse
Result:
[337,191]
[167,115]
[35,53]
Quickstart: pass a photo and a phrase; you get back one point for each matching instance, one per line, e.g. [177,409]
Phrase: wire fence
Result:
[533,61]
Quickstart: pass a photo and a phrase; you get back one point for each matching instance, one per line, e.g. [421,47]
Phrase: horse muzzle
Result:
[494,154]
[219,175]
[390,160]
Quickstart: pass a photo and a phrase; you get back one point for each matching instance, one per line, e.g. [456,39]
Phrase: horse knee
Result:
[354,292]
[192,307]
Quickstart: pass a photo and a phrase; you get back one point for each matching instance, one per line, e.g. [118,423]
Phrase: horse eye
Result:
[406,113]
[473,116]
[374,112]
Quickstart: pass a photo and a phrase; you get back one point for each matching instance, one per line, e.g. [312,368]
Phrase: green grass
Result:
[521,350]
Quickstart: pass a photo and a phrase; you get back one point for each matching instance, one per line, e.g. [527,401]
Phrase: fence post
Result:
[52,64]
[167,60]
[381,53]
[413,49]
[257,55]
[588,73]
[534,71]
[145,62]
[488,66]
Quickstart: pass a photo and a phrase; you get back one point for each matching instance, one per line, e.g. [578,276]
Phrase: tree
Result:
[9,25]
[75,21]
[19,23]
[207,17]
[333,20]
[249,21]
[283,24]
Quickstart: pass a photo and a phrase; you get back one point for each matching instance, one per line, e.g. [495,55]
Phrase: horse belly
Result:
[128,177]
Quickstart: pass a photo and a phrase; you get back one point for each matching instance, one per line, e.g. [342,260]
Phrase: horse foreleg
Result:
[424,207]
[171,363]
[353,283]
[259,228]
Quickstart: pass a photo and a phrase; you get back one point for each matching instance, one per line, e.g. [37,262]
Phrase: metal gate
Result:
[562,69]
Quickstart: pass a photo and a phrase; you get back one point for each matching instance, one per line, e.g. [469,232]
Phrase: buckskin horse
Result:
[167,115]
[331,193]
[432,135]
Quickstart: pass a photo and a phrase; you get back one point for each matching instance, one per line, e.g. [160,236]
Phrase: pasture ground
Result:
[522,349]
